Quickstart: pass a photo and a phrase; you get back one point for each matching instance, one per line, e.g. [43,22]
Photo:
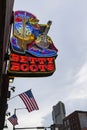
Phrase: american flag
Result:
[29,100]
[13,120]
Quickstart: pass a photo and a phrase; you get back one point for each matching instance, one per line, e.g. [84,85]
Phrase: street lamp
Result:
[11,79]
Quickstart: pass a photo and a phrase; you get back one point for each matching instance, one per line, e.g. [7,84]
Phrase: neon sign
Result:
[22,65]
[33,52]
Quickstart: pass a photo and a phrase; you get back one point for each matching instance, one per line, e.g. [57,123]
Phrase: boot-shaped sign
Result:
[32,51]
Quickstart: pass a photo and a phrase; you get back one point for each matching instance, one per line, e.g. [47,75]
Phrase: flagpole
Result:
[15,96]
[14,114]
[19,108]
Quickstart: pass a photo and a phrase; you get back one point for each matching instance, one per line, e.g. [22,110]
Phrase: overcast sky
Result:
[69,82]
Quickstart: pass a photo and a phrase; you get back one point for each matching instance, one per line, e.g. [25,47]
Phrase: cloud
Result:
[69,82]
[77,91]
[47,120]
[76,104]
[82,75]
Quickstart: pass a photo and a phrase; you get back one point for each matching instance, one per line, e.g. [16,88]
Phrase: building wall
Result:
[58,113]
[76,121]
[83,119]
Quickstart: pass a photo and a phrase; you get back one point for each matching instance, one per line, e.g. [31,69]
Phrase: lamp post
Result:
[15,114]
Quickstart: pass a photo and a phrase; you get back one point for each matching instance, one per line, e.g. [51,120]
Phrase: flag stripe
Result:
[35,104]
[13,120]
[29,104]
[29,100]
[25,100]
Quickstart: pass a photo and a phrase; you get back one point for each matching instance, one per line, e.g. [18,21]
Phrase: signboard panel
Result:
[33,53]
[29,66]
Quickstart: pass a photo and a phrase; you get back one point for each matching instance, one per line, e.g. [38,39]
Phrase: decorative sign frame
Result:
[33,53]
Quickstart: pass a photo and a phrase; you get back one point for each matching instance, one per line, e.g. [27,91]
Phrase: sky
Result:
[69,82]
